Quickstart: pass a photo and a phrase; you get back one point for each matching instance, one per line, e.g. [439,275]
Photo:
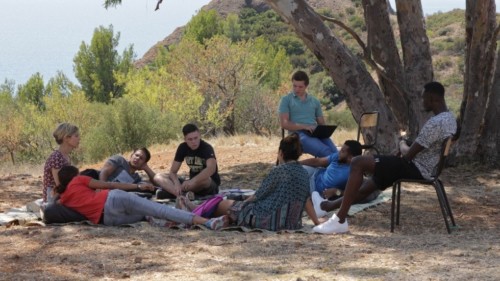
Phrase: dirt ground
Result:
[419,249]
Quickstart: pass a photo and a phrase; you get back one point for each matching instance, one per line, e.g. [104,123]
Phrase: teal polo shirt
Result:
[301,111]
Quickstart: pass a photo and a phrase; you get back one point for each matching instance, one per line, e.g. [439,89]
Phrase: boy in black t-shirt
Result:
[203,172]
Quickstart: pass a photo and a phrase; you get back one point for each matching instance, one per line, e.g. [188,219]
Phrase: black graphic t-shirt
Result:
[197,159]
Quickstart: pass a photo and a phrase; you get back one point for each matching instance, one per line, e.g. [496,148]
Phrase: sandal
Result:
[217,223]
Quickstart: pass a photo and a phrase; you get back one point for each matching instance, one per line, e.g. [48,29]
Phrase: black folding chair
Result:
[434,181]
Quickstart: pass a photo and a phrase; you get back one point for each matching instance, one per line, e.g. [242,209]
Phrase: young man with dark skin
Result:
[328,175]
[415,162]
[200,157]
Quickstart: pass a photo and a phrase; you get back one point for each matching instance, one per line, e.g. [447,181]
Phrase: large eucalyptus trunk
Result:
[361,91]
[480,20]
[417,60]
[382,47]
[480,134]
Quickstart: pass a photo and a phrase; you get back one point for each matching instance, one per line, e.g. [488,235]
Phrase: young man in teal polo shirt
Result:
[301,112]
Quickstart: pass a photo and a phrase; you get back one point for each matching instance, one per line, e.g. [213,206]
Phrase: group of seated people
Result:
[314,185]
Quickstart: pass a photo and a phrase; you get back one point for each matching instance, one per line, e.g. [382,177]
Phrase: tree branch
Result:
[158,5]
[367,56]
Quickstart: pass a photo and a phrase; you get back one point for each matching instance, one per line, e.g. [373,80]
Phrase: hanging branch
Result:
[158,5]
[366,53]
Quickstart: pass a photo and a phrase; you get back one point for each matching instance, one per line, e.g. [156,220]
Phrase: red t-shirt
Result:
[83,199]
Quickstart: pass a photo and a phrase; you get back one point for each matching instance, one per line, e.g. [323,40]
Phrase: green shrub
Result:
[442,63]
[128,125]
[350,10]
[343,119]
[357,23]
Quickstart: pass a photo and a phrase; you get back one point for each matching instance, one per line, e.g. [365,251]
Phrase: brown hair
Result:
[291,147]
[301,76]
[66,174]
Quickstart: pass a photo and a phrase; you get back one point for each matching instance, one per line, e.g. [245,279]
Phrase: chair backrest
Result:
[445,150]
[368,127]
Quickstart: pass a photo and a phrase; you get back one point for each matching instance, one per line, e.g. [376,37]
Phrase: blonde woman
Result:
[67,137]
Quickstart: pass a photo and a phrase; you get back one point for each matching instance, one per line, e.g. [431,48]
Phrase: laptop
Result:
[323,131]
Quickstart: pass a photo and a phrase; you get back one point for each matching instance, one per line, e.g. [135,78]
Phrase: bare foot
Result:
[184,203]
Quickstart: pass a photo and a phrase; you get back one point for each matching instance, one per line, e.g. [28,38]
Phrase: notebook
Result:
[323,131]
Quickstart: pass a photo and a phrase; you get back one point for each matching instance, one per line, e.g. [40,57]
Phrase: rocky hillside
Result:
[445,30]
[225,7]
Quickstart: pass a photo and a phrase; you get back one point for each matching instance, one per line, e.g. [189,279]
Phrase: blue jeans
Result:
[316,147]
[50,196]
[124,207]
[312,171]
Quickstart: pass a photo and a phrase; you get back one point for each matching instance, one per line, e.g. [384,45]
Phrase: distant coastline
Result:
[43,36]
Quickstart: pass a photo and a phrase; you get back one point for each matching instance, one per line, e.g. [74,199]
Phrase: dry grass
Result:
[419,249]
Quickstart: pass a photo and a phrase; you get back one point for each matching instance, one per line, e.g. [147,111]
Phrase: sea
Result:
[44,35]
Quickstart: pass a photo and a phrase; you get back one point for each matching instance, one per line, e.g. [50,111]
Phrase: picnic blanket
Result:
[30,215]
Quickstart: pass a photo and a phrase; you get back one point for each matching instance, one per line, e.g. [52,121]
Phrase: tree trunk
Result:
[12,157]
[480,109]
[382,46]
[480,20]
[361,91]
[417,60]
[489,145]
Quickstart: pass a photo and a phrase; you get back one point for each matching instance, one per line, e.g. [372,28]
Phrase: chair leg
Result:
[442,204]
[398,203]
[448,207]
[393,205]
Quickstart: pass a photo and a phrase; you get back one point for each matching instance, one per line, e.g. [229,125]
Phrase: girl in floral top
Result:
[68,137]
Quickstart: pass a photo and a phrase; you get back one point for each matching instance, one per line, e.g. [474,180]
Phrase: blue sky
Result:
[44,35]
[434,6]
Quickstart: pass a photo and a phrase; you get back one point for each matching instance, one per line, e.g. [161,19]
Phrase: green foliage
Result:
[267,24]
[225,75]
[440,20]
[205,25]
[350,11]
[332,92]
[127,124]
[12,124]
[444,31]
[357,23]
[95,65]
[270,64]
[342,118]
[60,85]
[33,91]
[442,63]
[256,111]
[292,45]
[112,3]
[167,93]
[232,28]
[221,71]
[7,89]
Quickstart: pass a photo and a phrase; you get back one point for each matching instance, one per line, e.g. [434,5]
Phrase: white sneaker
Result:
[332,226]
[316,200]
